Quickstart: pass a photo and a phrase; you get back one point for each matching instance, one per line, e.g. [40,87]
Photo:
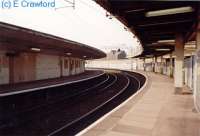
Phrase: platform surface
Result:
[16,88]
[156,111]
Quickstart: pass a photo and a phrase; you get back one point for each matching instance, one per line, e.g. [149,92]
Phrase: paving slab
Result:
[156,111]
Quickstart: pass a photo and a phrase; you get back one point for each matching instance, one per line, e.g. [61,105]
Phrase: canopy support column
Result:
[171,65]
[179,52]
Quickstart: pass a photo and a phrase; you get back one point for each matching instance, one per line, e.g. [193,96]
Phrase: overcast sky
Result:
[87,23]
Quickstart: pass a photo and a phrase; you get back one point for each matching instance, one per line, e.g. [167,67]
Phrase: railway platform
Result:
[16,88]
[155,111]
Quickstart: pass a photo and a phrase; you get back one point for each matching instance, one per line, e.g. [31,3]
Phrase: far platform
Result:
[155,111]
[10,89]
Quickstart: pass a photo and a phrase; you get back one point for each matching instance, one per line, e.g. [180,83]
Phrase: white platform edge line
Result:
[50,86]
[116,108]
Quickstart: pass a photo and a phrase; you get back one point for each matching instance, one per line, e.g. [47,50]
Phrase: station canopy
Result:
[156,23]
[16,39]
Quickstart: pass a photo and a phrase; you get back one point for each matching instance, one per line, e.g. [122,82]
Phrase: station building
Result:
[116,54]
[28,55]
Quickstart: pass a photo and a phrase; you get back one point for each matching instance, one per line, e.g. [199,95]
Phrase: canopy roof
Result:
[16,39]
[155,23]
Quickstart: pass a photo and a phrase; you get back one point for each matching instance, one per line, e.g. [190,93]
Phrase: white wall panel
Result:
[47,66]
[124,64]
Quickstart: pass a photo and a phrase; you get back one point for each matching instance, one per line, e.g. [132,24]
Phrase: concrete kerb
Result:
[50,86]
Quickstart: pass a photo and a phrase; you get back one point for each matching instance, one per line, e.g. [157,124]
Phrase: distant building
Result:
[116,54]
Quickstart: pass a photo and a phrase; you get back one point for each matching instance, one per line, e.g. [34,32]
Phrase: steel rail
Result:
[106,93]
[93,110]
[39,106]
[135,79]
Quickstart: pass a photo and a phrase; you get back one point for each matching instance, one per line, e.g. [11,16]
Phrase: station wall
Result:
[72,66]
[4,68]
[24,67]
[47,66]
[188,71]
[65,66]
[166,68]
[124,64]
[196,80]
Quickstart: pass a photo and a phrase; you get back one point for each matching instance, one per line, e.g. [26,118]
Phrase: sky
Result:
[86,23]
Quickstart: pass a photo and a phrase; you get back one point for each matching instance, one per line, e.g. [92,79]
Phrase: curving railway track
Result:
[66,110]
